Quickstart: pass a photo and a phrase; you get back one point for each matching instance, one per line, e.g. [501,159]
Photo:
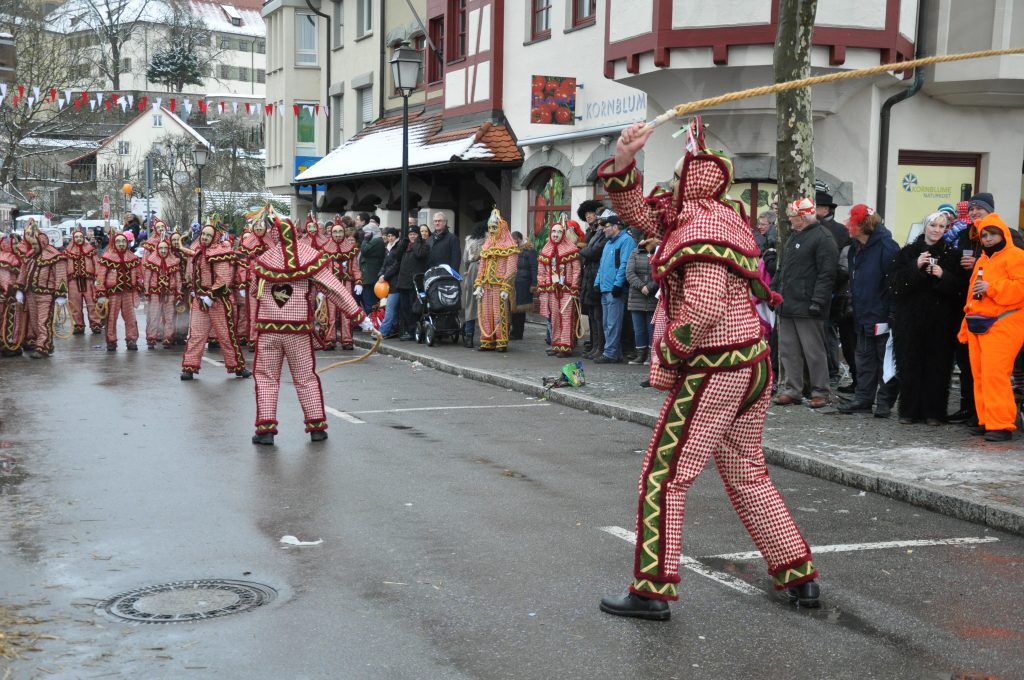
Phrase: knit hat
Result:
[948,208]
[804,207]
[983,200]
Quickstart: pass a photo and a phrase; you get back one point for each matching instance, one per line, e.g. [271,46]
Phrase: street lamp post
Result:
[199,155]
[405,67]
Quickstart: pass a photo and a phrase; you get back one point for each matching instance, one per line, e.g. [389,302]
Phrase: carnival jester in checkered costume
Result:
[714,364]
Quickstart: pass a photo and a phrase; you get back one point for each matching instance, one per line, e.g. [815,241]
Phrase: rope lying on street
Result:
[59,320]
[700,104]
[377,337]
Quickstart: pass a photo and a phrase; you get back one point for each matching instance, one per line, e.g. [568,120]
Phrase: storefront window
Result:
[757,196]
[549,203]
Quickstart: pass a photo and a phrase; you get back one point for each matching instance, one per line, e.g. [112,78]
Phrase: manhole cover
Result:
[183,601]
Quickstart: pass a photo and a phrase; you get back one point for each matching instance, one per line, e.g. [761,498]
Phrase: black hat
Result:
[590,205]
[611,219]
[824,198]
[984,200]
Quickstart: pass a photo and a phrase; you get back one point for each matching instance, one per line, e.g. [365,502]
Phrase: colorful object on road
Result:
[571,376]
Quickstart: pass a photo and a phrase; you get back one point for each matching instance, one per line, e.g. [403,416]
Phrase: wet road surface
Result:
[468,532]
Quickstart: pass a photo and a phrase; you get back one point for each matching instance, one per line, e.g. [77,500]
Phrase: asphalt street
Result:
[467,532]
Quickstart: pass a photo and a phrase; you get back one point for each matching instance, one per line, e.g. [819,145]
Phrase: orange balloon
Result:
[381,289]
[127,188]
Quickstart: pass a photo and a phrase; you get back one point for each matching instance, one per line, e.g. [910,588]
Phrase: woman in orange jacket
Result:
[994,327]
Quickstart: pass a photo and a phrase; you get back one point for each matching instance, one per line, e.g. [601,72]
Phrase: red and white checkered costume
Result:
[211,274]
[119,279]
[344,256]
[161,277]
[558,282]
[181,307]
[289,274]
[42,279]
[157,233]
[81,270]
[12,314]
[714,362]
[499,261]
[250,248]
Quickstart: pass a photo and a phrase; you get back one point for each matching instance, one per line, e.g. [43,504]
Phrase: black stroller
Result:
[439,297]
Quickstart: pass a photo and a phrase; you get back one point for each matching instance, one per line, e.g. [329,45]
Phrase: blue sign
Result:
[303,163]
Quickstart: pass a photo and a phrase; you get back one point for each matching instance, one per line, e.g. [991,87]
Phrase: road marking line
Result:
[344,416]
[213,361]
[694,566]
[452,408]
[857,547]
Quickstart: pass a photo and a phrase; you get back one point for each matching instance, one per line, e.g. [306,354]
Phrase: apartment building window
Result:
[339,23]
[338,118]
[225,43]
[124,148]
[435,61]
[158,120]
[457,40]
[584,12]
[261,76]
[549,201]
[305,130]
[305,39]
[261,46]
[244,45]
[244,74]
[224,72]
[541,25]
[365,17]
[126,64]
[365,107]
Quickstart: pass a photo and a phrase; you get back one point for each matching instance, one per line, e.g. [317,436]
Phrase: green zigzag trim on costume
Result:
[787,576]
[746,263]
[664,589]
[675,420]
[729,358]
[621,182]
[757,385]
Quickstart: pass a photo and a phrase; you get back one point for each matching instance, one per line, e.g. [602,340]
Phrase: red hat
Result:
[804,207]
[859,213]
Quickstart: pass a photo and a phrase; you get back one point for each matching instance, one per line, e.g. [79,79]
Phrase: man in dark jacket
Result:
[839,325]
[444,245]
[414,261]
[871,259]
[805,279]
[525,285]
[590,252]
[371,258]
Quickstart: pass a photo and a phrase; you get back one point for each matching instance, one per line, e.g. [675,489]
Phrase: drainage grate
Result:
[184,601]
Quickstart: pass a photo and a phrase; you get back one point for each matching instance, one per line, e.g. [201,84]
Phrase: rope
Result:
[61,318]
[101,309]
[320,314]
[377,337]
[700,104]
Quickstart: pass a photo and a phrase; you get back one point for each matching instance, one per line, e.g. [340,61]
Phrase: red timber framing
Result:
[491,100]
[893,46]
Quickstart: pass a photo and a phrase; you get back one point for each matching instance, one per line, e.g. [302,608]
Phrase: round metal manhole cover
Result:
[184,601]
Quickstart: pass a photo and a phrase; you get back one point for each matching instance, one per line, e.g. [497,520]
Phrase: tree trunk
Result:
[115,66]
[795,124]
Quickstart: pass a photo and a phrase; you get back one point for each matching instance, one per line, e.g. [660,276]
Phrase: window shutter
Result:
[366,105]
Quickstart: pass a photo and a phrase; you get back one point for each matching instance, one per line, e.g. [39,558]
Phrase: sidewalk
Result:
[944,468]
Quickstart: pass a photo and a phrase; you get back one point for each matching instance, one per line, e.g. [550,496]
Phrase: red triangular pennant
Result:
[295,108]
[53,94]
[269,108]
[173,104]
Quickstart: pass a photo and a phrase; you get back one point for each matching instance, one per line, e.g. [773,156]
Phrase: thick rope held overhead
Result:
[701,104]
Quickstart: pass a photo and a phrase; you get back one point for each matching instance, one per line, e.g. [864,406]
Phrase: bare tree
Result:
[175,179]
[114,23]
[236,164]
[795,125]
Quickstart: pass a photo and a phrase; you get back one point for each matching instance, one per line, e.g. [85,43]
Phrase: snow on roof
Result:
[189,130]
[60,143]
[78,15]
[380,149]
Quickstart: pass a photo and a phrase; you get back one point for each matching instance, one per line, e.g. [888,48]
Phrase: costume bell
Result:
[81,268]
[342,250]
[117,283]
[290,275]
[716,368]
[42,283]
[161,275]
[494,281]
[12,312]
[558,282]
[211,275]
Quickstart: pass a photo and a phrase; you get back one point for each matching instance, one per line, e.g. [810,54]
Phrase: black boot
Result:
[805,595]
[243,373]
[265,438]
[637,607]
[186,375]
[642,354]
[317,435]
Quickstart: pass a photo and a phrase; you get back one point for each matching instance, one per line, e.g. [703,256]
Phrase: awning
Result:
[377,150]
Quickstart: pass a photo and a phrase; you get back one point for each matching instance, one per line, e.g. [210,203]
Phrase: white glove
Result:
[61,300]
[100,300]
[358,289]
[366,324]
[241,293]
[478,292]
[207,300]
[19,297]
[504,295]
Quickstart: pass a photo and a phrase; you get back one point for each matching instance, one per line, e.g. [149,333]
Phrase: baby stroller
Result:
[439,298]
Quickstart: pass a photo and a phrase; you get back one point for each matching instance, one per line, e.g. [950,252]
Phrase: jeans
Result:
[612,310]
[387,327]
[643,328]
[369,298]
[469,329]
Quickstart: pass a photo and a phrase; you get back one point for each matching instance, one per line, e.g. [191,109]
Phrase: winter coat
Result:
[371,258]
[526,280]
[807,273]
[611,274]
[918,295]
[414,261]
[638,274]
[444,249]
[471,267]
[767,244]
[870,266]
[392,262]
[591,251]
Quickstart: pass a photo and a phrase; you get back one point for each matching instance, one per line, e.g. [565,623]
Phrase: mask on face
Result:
[79,238]
[120,243]
[338,234]
[207,236]
[557,233]
[162,249]
[259,229]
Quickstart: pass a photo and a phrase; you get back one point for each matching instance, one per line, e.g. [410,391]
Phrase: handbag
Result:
[979,324]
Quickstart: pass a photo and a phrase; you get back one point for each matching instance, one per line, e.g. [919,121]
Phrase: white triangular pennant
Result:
[35,92]
[2,99]
[99,98]
[92,104]
[327,111]
[60,103]
[123,104]
[67,96]
[234,107]
[280,110]
[3,89]
[30,101]
[188,106]
[131,100]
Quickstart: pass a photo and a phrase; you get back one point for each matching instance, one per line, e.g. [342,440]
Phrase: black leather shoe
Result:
[854,407]
[637,607]
[847,389]
[998,436]
[883,412]
[317,435]
[244,373]
[605,359]
[264,438]
[805,595]
[186,375]
[961,416]
[976,430]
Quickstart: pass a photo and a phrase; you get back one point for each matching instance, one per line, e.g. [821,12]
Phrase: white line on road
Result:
[452,408]
[857,547]
[693,565]
[213,361]
[344,416]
